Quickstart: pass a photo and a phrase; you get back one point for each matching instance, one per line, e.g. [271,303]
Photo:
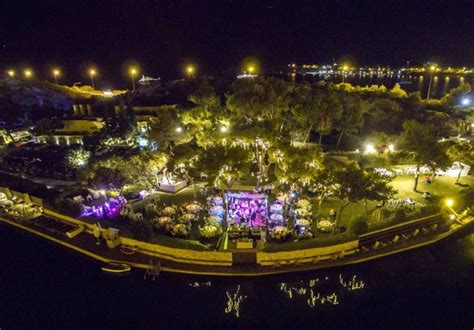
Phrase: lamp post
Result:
[56,74]
[133,72]
[432,68]
[11,73]
[92,73]
[190,71]
[27,73]
[251,69]
[344,69]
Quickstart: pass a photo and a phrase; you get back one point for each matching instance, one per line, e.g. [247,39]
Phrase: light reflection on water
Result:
[40,277]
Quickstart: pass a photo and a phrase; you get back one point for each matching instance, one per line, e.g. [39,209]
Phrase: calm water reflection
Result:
[46,287]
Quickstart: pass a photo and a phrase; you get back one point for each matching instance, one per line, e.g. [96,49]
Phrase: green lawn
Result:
[441,188]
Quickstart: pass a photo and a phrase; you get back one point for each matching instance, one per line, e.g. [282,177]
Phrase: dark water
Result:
[44,286]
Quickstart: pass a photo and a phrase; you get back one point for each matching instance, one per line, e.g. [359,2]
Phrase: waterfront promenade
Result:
[397,239]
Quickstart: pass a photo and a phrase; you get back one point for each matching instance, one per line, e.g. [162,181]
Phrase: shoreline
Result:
[84,244]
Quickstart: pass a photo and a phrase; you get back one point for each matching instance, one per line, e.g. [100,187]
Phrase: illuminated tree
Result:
[78,158]
[463,153]
[351,119]
[421,141]
[354,184]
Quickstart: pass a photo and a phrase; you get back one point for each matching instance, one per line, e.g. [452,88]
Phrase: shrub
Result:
[67,206]
[428,210]
[400,215]
[359,225]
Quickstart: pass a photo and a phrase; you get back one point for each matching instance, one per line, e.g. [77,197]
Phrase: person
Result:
[96,232]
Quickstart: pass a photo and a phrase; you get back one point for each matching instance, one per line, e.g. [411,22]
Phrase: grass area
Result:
[441,188]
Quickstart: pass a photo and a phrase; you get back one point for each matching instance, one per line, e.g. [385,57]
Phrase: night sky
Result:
[217,35]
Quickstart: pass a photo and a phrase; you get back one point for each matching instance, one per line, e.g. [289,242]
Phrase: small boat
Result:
[116,268]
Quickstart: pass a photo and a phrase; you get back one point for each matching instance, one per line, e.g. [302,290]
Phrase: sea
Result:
[441,83]
[46,286]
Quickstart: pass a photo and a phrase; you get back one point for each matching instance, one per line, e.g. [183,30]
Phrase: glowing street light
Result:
[190,71]
[224,129]
[449,202]
[391,147]
[92,73]
[56,73]
[370,149]
[466,101]
[179,129]
[251,69]
[133,72]
[11,73]
[28,73]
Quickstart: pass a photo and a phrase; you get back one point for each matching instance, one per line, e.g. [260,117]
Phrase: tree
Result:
[298,166]
[78,157]
[421,141]
[306,104]
[168,131]
[223,166]
[352,118]
[354,184]
[463,153]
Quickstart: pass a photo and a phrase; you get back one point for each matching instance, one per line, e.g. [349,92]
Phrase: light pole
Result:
[344,69]
[190,71]
[432,68]
[92,74]
[56,74]
[133,72]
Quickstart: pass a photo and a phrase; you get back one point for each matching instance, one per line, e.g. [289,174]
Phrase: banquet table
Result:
[325,225]
[218,200]
[276,217]
[302,212]
[188,216]
[216,210]
[209,231]
[193,208]
[303,222]
[169,210]
[303,203]
[162,221]
[276,208]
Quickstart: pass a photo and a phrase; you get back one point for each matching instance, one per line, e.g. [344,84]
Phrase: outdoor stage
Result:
[245,209]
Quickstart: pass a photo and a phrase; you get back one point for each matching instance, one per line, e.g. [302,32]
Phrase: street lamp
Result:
[432,69]
[449,203]
[190,71]
[466,101]
[179,129]
[251,69]
[11,73]
[27,73]
[133,72]
[224,129]
[56,74]
[344,69]
[92,73]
